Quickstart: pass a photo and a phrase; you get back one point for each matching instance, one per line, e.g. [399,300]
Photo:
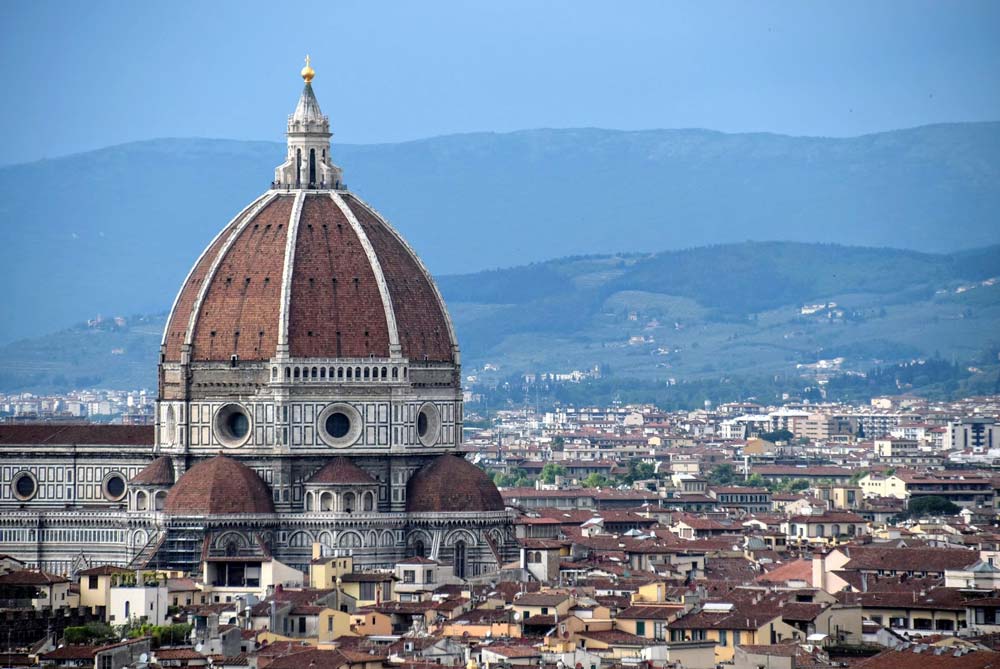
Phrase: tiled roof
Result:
[158,472]
[652,612]
[31,577]
[104,570]
[335,308]
[927,658]
[908,559]
[451,483]
[85,434]
[219,485]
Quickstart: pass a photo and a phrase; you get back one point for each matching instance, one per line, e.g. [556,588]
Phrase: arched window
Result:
[367,370]
[340,372]
[350,373]
[349,503]
[385,373]
[315,373]
[395,372]
[369,504]
[357,372]
[296,373]
[418,548]
[459,560]
[288,372]
[140,501]
[322,372]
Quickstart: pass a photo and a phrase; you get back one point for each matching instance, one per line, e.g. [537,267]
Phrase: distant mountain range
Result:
[749,309]
[116,230]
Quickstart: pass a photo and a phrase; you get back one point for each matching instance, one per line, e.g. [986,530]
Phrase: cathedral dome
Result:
[219,485]
[312,275]
[308,270]
[451,483]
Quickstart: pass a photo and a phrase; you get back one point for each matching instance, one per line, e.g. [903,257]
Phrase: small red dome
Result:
[158,472]
[219,485]
[451,483]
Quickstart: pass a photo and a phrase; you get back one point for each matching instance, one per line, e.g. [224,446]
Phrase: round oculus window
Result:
[232,425]
[24,486]
[428,424]
[114,487]
[339,424]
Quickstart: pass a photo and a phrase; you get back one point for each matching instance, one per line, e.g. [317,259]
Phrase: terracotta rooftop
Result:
[82,434]
[336,307]
[451,483]
[219,485]
[158,472]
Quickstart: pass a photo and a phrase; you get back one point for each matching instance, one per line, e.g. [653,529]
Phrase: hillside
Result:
[702,314]
[117,229]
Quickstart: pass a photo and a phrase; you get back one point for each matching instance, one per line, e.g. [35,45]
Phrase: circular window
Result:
[339,424]
[232,425]
[428,424]
[114,487]
[24,486]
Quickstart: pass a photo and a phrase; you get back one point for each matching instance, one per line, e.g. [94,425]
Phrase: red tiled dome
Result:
[158,472]
[355,288]
[219,485]
[341,470]
[451,483]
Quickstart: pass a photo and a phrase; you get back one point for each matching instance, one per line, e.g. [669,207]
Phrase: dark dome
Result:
[341,470]
[452,483]
[216,486]
[158,472]
[356,289]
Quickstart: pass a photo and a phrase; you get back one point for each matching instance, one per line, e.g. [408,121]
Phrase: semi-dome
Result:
[451,483]
[219,486]
[158,472]
[308,270]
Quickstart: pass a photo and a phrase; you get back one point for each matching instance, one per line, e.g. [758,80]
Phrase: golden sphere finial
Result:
[307,72]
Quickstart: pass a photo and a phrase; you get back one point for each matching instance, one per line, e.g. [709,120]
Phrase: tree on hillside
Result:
[724,474]
[932,505]
[776,436]
[595,480]
[551,470]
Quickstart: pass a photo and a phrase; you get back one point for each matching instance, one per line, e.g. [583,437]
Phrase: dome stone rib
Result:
[236,314]
[373,260]
[286,274]
[425,327]
[336,308]
[175,332]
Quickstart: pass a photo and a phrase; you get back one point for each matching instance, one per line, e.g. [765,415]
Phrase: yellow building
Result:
[95,585]
[729,627]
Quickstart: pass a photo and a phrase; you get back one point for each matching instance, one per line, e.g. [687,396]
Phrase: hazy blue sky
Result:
[81,75]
